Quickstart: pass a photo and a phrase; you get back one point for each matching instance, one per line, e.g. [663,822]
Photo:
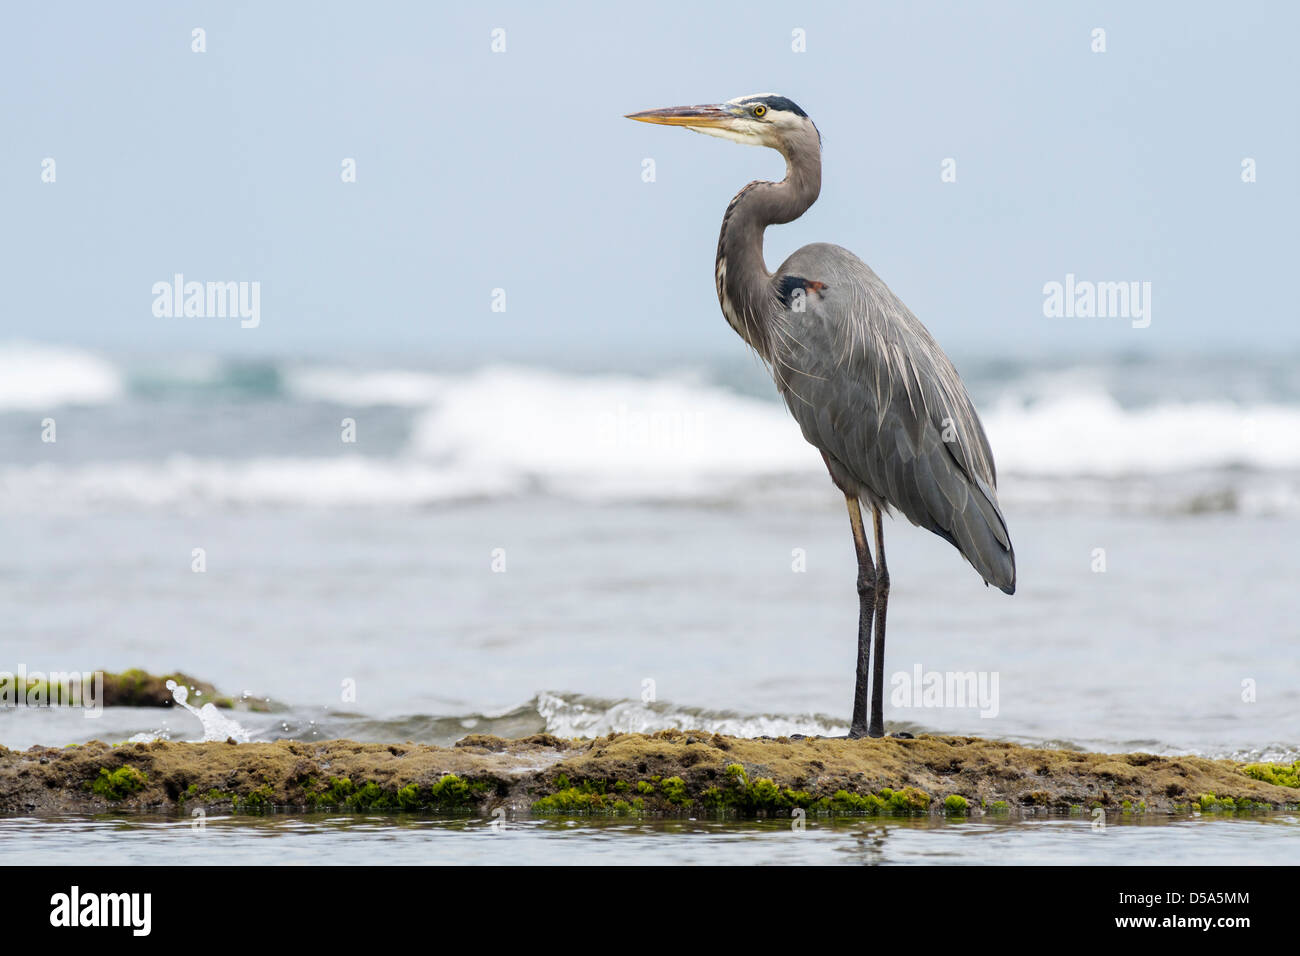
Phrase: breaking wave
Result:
[495,431]
[43,378]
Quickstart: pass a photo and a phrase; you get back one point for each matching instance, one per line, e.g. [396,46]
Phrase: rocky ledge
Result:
[667,773]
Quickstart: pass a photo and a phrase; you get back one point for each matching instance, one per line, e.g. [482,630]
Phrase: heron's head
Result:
[762,119]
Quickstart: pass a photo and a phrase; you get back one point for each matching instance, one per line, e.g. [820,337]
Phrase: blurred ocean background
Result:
[511,548]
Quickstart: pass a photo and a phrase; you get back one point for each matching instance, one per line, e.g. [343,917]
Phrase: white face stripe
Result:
[746,137]
[749,130]
[774,113]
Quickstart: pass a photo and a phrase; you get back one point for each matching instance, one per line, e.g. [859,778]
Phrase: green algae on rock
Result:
[668,773]
[118,784]
[956,805]
[1283,775]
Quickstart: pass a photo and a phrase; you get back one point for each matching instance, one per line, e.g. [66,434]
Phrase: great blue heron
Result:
[868,385]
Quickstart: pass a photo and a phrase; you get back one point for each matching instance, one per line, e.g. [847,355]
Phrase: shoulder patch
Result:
[787,286]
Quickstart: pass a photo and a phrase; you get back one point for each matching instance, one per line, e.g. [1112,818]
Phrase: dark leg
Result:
[882,600]
[866,604]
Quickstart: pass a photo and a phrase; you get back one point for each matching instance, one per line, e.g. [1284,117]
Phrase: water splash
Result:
[562,714]
[216,726]
[576,716]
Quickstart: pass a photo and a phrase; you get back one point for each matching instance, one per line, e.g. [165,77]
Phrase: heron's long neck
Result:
[745,289]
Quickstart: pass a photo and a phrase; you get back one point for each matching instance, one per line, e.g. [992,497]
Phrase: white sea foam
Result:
[43,377]
[505,430]
[648,434]
[182,481]
[610,436]
[1089,433]
[579,717]
[343,386]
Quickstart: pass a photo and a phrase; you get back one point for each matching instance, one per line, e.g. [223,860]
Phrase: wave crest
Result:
[43,377]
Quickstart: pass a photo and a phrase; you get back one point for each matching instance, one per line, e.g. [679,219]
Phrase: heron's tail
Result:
[980,533]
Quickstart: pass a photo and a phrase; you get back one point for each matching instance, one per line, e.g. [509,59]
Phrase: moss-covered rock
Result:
[669,773]
[138,688]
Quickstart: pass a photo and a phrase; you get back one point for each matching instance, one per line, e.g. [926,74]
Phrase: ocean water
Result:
[322,839]
[510,549]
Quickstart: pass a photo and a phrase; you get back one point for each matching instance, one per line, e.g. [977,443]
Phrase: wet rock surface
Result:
[671,772]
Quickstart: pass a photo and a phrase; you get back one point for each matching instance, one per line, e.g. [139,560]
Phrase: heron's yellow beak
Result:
[699,117]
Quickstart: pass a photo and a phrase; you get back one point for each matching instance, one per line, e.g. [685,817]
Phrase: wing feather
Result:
[879,397]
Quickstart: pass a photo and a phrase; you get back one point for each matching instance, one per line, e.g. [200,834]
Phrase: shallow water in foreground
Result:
[600,603]
[322,838]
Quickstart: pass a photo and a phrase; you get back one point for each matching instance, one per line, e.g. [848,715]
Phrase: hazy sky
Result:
[479,170]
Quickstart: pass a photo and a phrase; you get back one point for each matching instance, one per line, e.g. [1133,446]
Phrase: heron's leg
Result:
[866,605]
[882,600]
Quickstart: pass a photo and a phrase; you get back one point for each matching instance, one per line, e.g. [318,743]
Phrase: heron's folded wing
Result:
[870,387]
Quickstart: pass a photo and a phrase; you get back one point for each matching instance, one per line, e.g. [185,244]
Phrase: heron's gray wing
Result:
[871,388]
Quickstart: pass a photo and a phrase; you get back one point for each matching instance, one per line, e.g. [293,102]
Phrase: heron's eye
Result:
[760,110]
